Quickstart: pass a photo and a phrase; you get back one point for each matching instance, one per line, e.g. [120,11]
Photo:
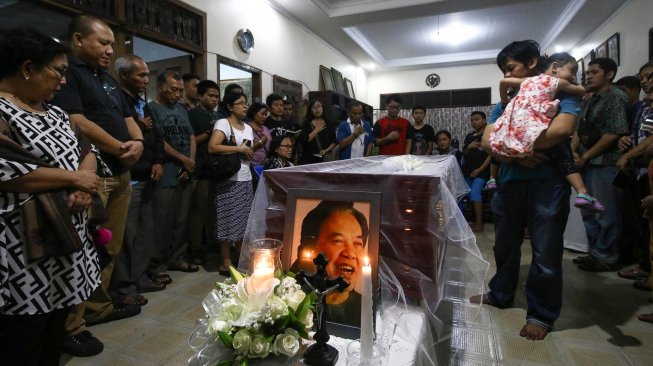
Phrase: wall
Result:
[280,46]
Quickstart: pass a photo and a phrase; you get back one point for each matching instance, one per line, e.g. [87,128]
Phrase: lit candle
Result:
[367,325]
[306,261]
[263,271]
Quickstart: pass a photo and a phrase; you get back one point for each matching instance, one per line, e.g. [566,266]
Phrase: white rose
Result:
[277,307]
[286,344]
[259,347]
[293,299]
[242,341]
[308,320]
[217,325]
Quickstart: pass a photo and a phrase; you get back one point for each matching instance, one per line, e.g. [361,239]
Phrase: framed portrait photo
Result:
[602,50]
[338,82]
[350,88]
[613,48]
[586,60]
[327,78]
[344,226]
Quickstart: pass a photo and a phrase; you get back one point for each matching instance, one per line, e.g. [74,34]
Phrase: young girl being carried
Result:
[529,114]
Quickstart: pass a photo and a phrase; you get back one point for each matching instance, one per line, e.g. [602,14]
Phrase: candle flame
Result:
[367,261]
[308,254]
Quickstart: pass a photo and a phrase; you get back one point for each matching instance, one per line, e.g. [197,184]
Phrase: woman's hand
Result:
[78,201]
[86,180]
[319,124]
[474,173]
[247,151]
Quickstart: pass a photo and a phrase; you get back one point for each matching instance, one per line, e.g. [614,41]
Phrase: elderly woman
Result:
[280,153]
[316,138]
[37,292]
[234,196]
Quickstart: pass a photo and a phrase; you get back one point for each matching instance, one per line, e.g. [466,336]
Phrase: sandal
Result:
[133,299]
[645,317]
[162,278]
[184,267]
[152,286]
[633,274]
[643,284]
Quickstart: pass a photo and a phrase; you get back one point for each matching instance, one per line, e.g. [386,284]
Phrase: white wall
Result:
[632,22]
[461,77]
[280,46]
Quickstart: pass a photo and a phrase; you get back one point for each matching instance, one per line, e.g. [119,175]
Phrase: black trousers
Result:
[32,340]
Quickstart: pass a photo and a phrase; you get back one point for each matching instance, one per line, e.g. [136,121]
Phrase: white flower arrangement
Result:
[255,319]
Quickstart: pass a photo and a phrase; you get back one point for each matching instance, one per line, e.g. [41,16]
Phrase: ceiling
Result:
[382,35]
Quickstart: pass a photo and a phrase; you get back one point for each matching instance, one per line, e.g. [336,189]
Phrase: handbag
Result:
[221,167]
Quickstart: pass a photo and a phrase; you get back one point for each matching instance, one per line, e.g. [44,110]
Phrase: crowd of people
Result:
[82,144]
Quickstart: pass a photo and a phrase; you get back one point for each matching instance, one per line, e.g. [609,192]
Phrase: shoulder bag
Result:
[222,166]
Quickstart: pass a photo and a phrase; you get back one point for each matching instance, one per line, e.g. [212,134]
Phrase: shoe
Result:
[589,203]
[119,312]
[643,284]
[593,264]
[491,185]
[82,345]
[633,274]
[581,259]
[161,277]
[133,299]
[152,286]
[184,267]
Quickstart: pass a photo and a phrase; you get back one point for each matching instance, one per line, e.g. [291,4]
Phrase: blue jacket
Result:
[344,131]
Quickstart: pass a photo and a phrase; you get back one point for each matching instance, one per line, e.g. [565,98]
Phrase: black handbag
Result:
[221,167]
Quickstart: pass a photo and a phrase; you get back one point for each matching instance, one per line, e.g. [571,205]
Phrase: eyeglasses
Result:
[244,104]
[61,72]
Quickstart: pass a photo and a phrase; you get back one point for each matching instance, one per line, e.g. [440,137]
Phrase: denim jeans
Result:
[543,206]
[603,229]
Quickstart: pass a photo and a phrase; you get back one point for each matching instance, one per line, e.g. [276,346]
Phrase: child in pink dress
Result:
[530,112]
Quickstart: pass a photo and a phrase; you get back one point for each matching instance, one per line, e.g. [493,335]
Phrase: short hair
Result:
[125,63]
[276,143]
[629,82]
[482,114]
[648,64]
[562,58]
[315,218]
[188,77]
[162,79]
[393,97]
[355,103]
[23,43]
[230,88]
[83,24]
[255,108]
[418,107]
[205,85]
[443,132]
[272,98]
[606,64]
[288,102]
[521,51]
[230,98]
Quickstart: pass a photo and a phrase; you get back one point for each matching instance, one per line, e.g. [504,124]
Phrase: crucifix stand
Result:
[320,353]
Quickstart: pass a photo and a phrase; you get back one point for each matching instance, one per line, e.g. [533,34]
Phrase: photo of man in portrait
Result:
[340,231]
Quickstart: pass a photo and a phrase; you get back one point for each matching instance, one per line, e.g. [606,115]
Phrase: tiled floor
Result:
[598,325]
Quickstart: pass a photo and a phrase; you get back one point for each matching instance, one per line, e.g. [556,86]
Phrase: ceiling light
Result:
[455,33]
[558,48]
[371,66]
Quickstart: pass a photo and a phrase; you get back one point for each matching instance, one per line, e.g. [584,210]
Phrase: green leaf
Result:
[226,339]
[225,363]
[303,306]
[269,339]
[290,274]
[243,362]
[235,275]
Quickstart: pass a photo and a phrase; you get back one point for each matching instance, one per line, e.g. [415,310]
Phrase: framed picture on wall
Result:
[350,88]
[344,226]
[338,81]
[586,60]
[327,79]
[602,50]
[613,48]
[580,73]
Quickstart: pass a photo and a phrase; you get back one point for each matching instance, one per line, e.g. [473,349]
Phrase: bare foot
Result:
[480,299]
[533,332]
[646,317]
[477,228]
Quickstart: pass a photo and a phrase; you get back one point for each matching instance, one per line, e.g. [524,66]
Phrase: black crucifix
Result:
[320,353]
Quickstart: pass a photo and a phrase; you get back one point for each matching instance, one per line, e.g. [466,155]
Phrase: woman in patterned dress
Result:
[36,295]
[234,196]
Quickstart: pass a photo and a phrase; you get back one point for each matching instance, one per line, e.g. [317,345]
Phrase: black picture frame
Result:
[350,88]
[613,48]
[602,50]
[586,61]
[327,78]
[338,82]
[298,253]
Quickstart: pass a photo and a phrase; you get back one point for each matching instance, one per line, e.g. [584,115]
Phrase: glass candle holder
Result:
[354,355]
[265,258]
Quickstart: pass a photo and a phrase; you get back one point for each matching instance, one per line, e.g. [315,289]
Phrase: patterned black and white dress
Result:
[51,283]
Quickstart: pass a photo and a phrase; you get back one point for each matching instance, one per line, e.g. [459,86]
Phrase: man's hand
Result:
[580,160]
[624,143]
[622,163]
[474,145]
[359,130]
[532,161]
[189,164]
[474,173]
[78,201]
[131,152]
[393,136]
[156,172]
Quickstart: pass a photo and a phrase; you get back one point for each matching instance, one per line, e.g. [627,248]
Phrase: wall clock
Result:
[433,80]
[245,39]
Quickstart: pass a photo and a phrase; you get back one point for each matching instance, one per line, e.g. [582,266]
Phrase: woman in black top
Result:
[316,139]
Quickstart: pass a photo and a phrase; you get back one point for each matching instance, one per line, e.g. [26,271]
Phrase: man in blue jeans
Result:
[532,193]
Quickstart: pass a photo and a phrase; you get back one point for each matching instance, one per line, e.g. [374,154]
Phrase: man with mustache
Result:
[340,231]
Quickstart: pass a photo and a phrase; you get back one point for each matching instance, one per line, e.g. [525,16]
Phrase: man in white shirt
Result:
[355,135]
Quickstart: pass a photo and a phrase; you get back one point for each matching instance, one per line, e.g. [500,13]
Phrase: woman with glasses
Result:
[317,139]
[40,153]
[233,197]
[280,153]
